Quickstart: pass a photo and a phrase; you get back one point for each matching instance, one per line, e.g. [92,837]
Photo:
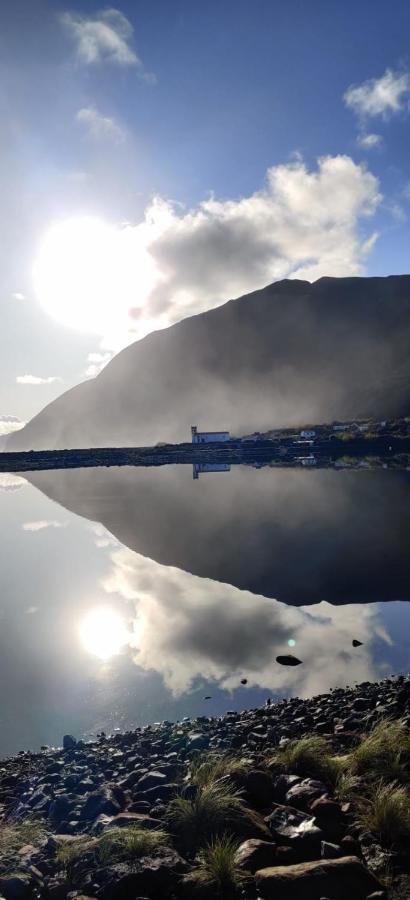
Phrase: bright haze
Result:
[159,158]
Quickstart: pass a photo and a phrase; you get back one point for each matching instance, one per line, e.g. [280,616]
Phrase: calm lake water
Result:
[128,595]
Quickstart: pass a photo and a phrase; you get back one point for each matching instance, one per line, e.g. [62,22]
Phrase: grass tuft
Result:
[217,868]
[15,835]
[214,767]
[115,845]
[384,752]
[216,807]
[311,756]
[386,813]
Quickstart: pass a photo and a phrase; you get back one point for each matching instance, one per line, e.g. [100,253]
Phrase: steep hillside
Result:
[292,352]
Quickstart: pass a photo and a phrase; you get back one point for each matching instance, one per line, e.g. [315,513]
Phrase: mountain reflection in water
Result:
[97,635]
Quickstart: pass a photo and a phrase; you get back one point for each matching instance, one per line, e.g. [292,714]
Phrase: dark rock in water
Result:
[208,698]
[244,681]
[339,878]
[69,742]
[356,643]
[288,660]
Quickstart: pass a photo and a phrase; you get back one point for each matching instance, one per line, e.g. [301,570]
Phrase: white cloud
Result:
[35,379]
[125,282]
[379,96]
[40,524]
[188,628]
[100,127]
[10,482]
[97,362]
[369,141]
[104,37]
[9,424]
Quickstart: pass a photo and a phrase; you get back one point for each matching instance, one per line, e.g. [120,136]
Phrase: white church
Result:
[208,437]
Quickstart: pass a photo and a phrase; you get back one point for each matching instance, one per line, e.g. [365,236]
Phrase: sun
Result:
[103,633]
[87,273]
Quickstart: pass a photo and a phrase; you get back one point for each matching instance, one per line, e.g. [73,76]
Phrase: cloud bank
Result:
[303,223]
[191,630]
[36,379]
[9,424]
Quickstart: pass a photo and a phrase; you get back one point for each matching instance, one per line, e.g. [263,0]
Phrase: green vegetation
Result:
[217,868]
[310,755]
[115,845]
[384,752]
[214,767]
[216,807]
[386,813]
[15,835]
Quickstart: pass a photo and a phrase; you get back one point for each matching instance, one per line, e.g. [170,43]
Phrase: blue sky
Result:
[160,157]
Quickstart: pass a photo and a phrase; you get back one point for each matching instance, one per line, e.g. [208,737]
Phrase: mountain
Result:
[291,353]
[300,536]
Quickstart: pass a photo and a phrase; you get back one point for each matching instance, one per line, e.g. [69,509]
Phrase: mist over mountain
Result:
[339,536]
[293,352]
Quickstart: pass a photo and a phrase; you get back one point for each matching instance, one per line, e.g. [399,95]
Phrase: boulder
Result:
[69,742]
[101,801]
[335,878]
[254,854]
[259,789]
[302,794]
[296,829]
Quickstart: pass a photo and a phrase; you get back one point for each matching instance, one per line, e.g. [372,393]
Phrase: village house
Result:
[208,437]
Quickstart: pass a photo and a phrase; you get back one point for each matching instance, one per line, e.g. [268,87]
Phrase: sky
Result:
[158,158]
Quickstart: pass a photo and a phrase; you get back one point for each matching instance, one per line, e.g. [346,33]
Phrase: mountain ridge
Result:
[292,351]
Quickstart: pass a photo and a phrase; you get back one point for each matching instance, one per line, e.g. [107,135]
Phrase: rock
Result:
[244,681]
[288,660]
[16,887]
[127,819]
[198,741]
[150,780]
[153,876]
[101,801]
[356,643]
[302,794]
[254,854]
[60,809]
[258,789]
[330,851]
[298,830]
[69,742]
[335,878]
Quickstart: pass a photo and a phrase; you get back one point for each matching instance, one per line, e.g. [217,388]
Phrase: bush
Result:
[386,813]
[216,807]
[217,868]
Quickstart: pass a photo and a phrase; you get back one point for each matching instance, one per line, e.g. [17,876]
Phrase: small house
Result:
[208,437]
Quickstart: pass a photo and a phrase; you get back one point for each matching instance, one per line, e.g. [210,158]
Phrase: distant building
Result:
[340,427]
[308,434]
[208,437]
[201,468]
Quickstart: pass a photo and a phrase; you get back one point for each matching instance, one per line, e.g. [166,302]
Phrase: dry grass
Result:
[14,836]
[386,813]
[115,845]
[217,869]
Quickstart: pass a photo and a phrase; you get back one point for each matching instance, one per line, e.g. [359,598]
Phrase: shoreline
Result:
[295,816]
[386,451]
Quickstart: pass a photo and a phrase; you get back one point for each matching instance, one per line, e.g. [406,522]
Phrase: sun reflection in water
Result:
[103,633]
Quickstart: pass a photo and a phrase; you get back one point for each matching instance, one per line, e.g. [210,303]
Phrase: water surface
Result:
[128,595]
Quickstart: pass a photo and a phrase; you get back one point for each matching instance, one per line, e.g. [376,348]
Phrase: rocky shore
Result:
[296,800]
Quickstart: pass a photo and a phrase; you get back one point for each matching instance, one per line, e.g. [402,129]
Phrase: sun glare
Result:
[87,274]
[103,633]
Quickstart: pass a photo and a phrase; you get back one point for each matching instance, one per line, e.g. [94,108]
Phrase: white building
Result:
[308,434]
[202,468]
[208,437]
